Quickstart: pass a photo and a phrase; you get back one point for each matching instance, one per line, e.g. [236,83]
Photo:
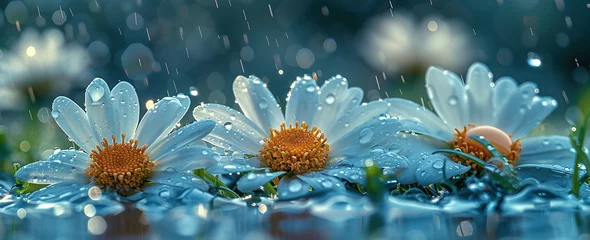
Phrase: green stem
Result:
[219,185]
[270,189]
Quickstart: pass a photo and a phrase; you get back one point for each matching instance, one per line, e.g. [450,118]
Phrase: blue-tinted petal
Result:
[254,180]
[257,102]
[179,179]
[292,188]
[126,102]
[180,138]
[160,120]
[303,101]
[74,122]
[49,172]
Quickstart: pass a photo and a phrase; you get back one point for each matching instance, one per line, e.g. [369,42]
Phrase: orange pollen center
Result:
[295,149]
[121,166]
[498,138]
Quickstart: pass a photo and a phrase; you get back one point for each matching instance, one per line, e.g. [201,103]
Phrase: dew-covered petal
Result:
[60,192]
[233,130]
[536,112]
[49,172]
[73,157]
[179,179]
[254,180]
[547,150]
[418,114]
[447,95]
[229,118]
[431,169]
[407,144]
[376,157]
[102,114]
[303,101]
[160,120]
[320,182]
[127,103]
[292,188]
[356,117]
[180,138]
[354,96]
[257,102]
[74,122]
[234,139]
[348,173]
[507,105]
[365,136]
[231,168]
[479,94]
[187,158]
[333,100]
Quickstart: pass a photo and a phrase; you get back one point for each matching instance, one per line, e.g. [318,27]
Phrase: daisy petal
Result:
[408,144]
[303,101]
[234,139]
[74,122]
[231,125]
[528,91]
[226,168]
[350,174]
[73,157]
[179,179]
[254,180]
[180,138]
[292,188]
[320,182]
[479,94]
[354,96]
[537,111]
[356,117]
[60,192]
[332,101]
[160,120]
[102,114]
[188,158]
[507,114]
[405,109]
[547,150]
[258,103]
[447,95]
[44,172]
[431,169]
[127,103]
[365,136]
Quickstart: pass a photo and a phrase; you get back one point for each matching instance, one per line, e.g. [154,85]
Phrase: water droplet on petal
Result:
[330,98]
[227,126]
[366,136]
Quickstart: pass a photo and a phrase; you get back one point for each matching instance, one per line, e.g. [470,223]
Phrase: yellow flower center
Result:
[498,138]
[295,149]
[120,166]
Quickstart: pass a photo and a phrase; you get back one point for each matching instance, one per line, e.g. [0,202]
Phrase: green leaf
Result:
[218,184]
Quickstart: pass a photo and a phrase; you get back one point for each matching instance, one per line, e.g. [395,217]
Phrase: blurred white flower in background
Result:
[394,43]
[42,61]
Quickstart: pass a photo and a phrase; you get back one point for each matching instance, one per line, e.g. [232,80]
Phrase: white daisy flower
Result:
[43,61]
[118,151]
[342,140]
[500,111]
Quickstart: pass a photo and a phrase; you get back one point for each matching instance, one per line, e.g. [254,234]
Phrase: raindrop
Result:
[365,136]
[193,91]
[55,114]
[263,104]
[453,101]
[227,126]
[533,59]
[330,98]
[311,88]
[438,164]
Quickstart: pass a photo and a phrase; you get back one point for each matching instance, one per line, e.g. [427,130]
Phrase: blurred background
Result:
[56,47]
